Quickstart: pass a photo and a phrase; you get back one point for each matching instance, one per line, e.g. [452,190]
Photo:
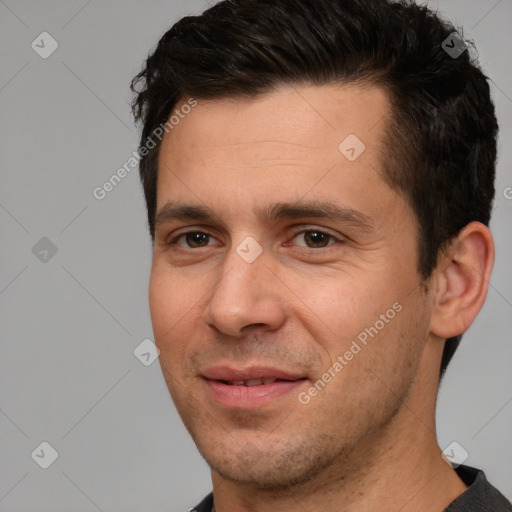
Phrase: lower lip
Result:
[250,397]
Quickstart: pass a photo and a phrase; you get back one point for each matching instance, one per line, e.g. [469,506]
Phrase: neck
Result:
[399,467]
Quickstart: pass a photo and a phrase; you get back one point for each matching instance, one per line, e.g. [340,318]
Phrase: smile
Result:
[252,382]
[249,388]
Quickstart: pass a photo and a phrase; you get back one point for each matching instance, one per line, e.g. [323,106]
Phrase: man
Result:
[319,176]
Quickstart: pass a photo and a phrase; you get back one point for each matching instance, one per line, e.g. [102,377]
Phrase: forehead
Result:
[304,117]
[313,142]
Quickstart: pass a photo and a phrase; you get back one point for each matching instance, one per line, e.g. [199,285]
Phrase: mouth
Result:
[254,382]
[249,388]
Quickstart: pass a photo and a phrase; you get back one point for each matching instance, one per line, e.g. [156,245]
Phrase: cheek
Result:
[171,304]
[369,325]
[393,346]
[345,309]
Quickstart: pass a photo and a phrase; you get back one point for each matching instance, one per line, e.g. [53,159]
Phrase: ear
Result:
[462,280]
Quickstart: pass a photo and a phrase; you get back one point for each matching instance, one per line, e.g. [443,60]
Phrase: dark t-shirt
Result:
[480,496]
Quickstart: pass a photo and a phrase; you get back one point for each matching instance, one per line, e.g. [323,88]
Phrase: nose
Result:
[246,295]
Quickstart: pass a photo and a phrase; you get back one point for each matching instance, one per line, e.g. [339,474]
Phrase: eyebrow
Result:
[274,212]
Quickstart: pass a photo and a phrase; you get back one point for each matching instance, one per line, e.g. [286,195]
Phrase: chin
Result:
[271,466]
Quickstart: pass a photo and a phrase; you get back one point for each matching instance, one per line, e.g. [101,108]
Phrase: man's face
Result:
[248,297]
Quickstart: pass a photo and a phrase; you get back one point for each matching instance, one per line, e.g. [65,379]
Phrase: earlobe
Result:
[462,276]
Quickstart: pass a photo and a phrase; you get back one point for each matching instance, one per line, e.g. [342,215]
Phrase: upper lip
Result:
[230,374]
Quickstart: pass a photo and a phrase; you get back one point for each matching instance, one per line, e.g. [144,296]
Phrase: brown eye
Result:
[316,239]
[197,239]
[193,240]
[313,239]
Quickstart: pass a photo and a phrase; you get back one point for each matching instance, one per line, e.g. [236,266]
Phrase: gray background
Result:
[70,324]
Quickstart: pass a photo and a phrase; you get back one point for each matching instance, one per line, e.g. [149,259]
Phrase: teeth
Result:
[252,382]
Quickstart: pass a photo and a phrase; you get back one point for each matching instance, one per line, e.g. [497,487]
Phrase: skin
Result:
[367,440]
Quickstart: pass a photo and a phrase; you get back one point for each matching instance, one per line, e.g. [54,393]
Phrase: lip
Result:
[254,372]
[249,397]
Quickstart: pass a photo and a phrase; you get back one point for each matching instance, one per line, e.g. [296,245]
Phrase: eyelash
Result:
[304,247]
